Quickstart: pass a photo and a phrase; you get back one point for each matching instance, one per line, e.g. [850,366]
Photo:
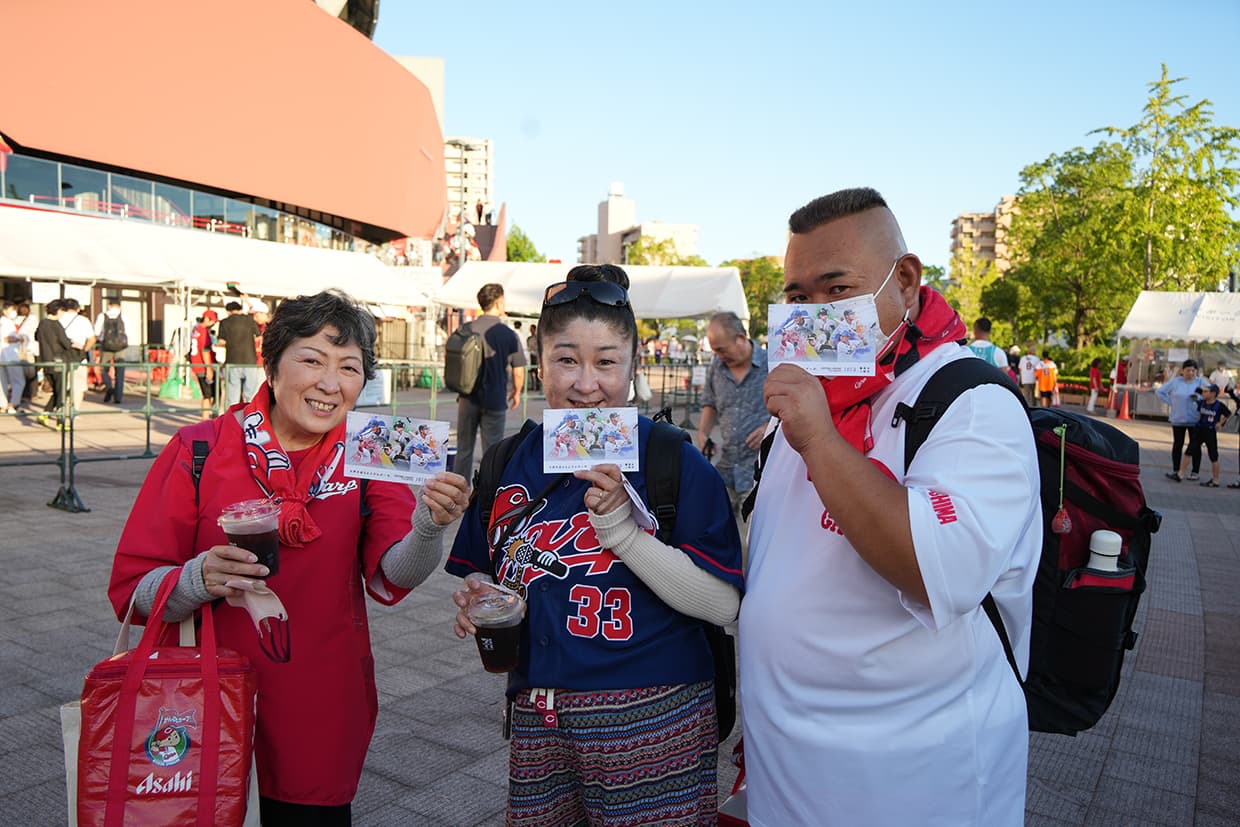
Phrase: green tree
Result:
[1186,183]
[935,275]
[970,274]
[520,248]
[1072,246]
[763,280]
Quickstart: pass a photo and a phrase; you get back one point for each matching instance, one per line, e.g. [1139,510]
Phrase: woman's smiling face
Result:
[587,364]
[315,385]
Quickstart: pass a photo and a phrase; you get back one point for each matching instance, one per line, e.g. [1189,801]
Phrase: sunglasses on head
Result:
[605,293]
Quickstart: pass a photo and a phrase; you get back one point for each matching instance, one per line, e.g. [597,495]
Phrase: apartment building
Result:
[984,232]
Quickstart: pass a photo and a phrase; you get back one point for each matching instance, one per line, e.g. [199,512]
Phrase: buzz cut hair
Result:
[835,205]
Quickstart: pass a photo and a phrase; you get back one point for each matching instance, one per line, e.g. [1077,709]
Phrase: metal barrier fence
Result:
[170,390]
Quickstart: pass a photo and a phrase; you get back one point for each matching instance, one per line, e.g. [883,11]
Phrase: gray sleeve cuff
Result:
[189,593]
[411,560]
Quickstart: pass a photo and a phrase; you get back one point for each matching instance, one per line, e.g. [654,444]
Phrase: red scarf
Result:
[274,472]
[849,396]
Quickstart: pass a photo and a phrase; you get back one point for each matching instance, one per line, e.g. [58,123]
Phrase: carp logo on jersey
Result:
[538,548]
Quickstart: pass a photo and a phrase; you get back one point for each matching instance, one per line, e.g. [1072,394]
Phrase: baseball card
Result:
[580,438]
[394,448]
[837,339]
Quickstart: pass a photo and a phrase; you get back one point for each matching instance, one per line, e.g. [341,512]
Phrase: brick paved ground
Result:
[1168,752]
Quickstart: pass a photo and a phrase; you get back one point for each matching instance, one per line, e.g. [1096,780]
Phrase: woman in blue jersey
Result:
[613,653]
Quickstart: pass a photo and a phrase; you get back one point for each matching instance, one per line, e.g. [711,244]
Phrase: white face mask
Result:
[866,307]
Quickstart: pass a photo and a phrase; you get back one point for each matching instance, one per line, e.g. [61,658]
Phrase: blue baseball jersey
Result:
[591,622]
[1209,413]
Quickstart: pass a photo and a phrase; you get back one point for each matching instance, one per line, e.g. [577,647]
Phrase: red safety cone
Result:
[1123,407]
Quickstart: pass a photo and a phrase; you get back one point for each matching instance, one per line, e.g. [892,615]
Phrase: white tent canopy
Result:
[656,292]
[1184,317]
[48,245]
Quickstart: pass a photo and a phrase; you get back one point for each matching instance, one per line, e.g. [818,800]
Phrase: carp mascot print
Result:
[169,740]
[531,549]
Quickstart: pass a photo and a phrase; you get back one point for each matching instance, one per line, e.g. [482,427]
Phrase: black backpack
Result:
[663,488]
[114,339]
[463,354]
[1082,618]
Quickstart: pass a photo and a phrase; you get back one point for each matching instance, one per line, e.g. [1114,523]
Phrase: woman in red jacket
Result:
[316,711]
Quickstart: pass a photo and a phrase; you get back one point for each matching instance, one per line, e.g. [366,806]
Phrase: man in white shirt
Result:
[1223,378]
[986,350]
[875,690]
[1028,367]
[81,334]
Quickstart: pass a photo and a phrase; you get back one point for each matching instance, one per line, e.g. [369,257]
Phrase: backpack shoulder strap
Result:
[200,436]
[758,465]
[663,475]
[946,386]
[491,467]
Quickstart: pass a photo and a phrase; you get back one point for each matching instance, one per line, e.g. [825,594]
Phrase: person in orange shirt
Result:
[1048,381]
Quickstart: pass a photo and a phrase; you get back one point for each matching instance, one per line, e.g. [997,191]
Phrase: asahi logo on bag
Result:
[153,785]
[169,740]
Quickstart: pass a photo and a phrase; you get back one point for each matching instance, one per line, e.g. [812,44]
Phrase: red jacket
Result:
[316,713]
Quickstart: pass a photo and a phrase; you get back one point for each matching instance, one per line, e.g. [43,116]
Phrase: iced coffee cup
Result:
[254,525]
[497,617]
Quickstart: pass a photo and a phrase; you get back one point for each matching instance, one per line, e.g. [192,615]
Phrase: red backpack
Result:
[1082,617]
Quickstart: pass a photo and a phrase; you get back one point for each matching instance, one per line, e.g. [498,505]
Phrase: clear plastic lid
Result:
[496,608]
[249,511]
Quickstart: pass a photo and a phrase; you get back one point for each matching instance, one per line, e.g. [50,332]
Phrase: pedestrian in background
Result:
[499,382]
[28,350]
[531,350]
[12,375]
[1212,415]
[112,338]
[732,397]
[1048,381]
[1181,393]
[985,349]
[1095,384]
[1029,366]
[55,349]
[82,337]
[239,335]
[202,357]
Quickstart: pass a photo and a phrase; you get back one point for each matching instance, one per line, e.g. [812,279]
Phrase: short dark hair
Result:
[729,323]
[54,306]
[489,294]
[558,316]
[1189,363]
[233,307]
[70,304]
[982,324]
[1097,363]
[307,315]
[835,205]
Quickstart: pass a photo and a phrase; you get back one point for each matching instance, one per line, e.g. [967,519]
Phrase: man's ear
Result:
[908,274]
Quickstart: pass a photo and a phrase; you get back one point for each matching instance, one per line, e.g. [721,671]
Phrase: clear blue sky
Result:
[730,115]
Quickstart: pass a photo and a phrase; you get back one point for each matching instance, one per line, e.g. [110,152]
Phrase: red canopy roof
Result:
[273,99]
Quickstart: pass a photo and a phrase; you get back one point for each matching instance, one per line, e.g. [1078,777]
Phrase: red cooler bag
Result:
[167,732]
